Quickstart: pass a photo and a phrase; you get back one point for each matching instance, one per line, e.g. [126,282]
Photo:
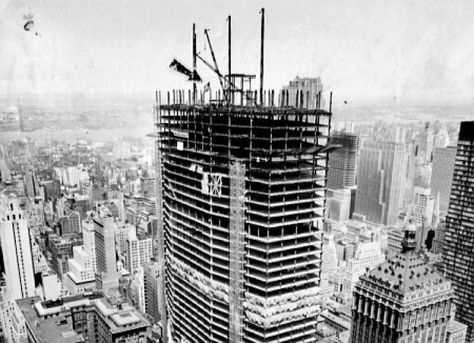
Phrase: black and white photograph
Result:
[254,171]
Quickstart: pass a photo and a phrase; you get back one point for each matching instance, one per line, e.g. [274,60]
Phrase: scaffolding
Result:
[236,249]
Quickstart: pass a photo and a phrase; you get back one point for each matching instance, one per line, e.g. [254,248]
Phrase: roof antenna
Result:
[229,29]
[262,37]
[194,63]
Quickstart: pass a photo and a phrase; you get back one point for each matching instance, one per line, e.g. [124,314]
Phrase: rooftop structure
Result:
[120,323]
[43,326]
[403,299]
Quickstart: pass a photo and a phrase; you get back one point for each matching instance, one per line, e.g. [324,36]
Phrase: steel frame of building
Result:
[240,205]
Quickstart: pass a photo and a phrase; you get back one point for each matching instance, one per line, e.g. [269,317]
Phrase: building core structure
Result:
[240,212]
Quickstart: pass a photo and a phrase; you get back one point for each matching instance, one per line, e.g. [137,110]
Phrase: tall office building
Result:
[107,276]
[329,265]
[32,187]
[243,206]
[139,251]
[342,162]
[16,249]
[151,275]
[306,91]
[442,175]
[83,265]
[458,255]
[366,256]
[5,174]
[380,182]
[425,143]
[423,206]
[402,300]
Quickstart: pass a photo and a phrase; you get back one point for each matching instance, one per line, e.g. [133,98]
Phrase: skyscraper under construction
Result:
[241,204]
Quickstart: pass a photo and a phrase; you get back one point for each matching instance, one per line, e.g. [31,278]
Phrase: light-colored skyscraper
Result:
[342,162]
[304,92]
[425,143]
[423,206]
[107,276]
[83,265]
[368,255]
[329,265]
[380,183]
[442,175]
[16,248]
[139,251]
[5,175]
[137,289]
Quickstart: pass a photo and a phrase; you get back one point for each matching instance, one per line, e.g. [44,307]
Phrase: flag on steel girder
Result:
[180,68]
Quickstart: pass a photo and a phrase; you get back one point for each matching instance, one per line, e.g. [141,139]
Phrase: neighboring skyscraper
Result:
[70,223]
[83,266]
[402,300]
[5,175]
[137,290]
[305,91]
[342,162]
[423,206]
[32,187]
[151,274]
[107,276]
[380,182]
[340,204]
[442,175]
[426,142]
[367,255]
[139,251]
[243,197]
[16,249]
[457,259]
[328,266]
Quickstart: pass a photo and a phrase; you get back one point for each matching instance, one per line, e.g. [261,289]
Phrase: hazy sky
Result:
[400,50]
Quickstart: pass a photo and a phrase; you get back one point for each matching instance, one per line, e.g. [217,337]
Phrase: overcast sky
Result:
[400,50]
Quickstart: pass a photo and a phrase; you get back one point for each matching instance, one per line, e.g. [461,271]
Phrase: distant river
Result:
[72,135]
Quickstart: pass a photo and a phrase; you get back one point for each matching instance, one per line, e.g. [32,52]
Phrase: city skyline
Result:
[383,51]
[317,187]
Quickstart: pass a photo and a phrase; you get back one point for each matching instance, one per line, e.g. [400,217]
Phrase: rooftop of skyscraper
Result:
[408,275]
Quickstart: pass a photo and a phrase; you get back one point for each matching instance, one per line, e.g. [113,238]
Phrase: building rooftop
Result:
[49,307]
[49,329]
[406,271]
[120,317]
[455,326]
[407,276]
